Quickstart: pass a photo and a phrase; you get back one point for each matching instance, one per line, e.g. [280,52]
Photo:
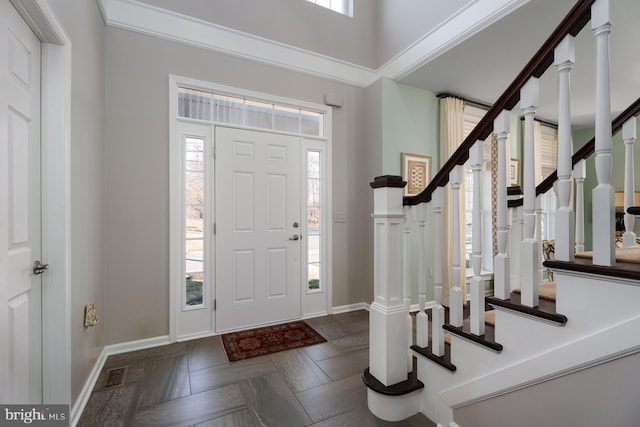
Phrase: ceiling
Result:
[483,66]
[480,67]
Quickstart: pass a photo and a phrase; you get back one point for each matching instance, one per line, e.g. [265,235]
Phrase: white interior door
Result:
[20,212]
[257,215]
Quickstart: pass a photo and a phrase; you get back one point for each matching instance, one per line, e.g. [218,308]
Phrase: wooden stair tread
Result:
[543,312]
[622,269]
[411,384]
[486,340]
[444,361]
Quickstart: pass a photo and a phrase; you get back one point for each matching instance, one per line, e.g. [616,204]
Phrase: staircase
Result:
[547,353]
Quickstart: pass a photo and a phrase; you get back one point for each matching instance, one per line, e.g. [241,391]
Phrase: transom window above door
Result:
[251,113]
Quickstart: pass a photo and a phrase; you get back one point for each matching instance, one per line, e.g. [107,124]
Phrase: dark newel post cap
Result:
[388,181]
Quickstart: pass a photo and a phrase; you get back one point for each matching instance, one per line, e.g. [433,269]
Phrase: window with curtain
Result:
[548,147]
[546,153]
[472,116]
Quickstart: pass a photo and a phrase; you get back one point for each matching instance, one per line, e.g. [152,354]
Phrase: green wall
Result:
[580,138]
[410,124]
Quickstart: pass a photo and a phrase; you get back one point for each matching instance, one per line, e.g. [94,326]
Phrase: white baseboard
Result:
[125,347]
[109,350]
[85,393]
[350,307]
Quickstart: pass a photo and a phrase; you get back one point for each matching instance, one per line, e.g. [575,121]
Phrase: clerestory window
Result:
[344,7]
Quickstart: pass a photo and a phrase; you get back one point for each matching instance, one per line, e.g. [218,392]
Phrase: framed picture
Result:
[514,172]
[416,170]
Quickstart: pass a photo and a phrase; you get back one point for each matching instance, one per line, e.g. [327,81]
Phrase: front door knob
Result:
[39,268]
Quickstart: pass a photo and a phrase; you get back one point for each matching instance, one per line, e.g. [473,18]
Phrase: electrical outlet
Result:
[340,217]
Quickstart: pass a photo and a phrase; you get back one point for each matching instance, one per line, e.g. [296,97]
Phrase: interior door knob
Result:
[294,237]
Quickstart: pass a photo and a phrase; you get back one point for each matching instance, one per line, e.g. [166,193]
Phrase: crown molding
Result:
[154,21]
[465,23]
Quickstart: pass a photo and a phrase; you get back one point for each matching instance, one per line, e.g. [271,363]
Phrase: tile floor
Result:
[192,384]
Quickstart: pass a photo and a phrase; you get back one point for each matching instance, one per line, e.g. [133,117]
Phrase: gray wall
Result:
[84,26]
[605,395]
[294,22]
[399,23]
[136,216]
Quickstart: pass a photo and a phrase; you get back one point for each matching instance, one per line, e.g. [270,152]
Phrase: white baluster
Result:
[629,138]
[501,262]
[603,195]
[564,57]
[515,227]
[437,321]
[406,282]
[476,159]
[422,320]
[387,312]
[530,246]
[580,174]
[456,297]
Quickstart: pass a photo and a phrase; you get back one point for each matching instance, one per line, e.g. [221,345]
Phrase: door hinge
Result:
[214,304]
[215,151]
[214,228]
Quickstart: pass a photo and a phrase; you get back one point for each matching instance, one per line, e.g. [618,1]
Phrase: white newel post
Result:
[502,273]
[388,313]
[422,320]
[603,195]
[406,282]
[437,333]
[580,174]
[476,158]
[629,138]
[564,57]
[530,246]
[456,297]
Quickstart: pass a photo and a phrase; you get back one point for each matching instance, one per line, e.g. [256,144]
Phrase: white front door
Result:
[258,217]
[20,212]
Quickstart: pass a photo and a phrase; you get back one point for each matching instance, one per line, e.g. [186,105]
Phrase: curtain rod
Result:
[467,100]
[546,122]
[484,105]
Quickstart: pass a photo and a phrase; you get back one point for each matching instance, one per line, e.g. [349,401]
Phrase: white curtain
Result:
[537,149]
[451,136]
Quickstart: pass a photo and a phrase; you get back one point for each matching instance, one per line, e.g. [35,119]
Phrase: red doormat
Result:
[268,340]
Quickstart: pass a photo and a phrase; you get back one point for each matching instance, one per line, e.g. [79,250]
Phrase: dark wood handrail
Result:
[575,20]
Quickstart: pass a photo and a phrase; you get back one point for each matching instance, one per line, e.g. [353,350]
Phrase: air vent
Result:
[116,377]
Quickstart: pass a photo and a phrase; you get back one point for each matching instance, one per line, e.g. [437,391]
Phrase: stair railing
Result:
[388,303]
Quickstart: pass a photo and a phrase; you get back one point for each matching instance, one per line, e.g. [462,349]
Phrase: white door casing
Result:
[189,322]
[257,206]
[20,213]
